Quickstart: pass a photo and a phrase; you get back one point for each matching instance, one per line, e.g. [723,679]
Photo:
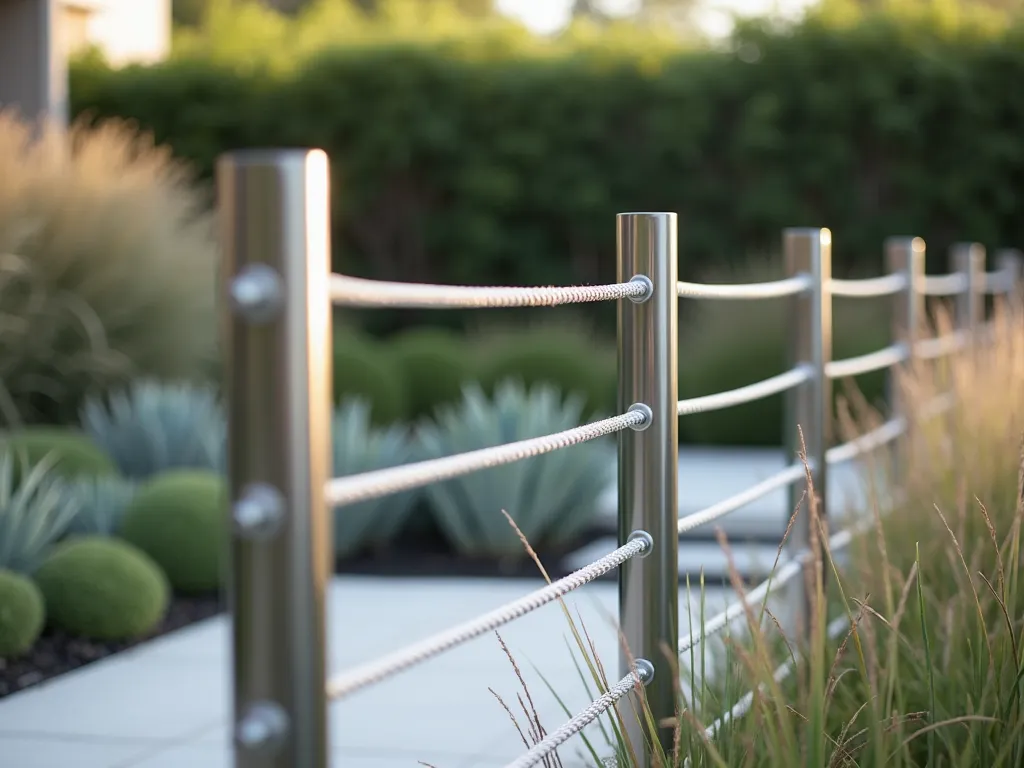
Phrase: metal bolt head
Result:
[647,413]
[645,670]
[647,283]
[259,511]
[647,539]
[257,293]
[263,726]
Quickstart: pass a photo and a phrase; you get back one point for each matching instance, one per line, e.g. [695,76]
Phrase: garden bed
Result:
[56,653]
[429,555]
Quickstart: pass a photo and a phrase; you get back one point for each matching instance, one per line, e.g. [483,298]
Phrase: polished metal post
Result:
[277,318]
[809,406]
[1010,262]
[905,255]
[649,462]
[969,260]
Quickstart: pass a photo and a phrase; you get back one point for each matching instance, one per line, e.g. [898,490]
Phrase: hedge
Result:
[510,170]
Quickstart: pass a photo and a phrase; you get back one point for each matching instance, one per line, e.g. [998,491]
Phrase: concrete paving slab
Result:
[44,751]
[172,695]
[129,695]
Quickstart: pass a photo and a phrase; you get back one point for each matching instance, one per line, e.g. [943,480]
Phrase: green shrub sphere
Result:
[363,370]
[433,365]
[21,614]
[178,519]
[102,589]
[72,452]
[574,362]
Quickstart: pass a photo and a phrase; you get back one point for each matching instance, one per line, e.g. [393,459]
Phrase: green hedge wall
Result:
[506,169]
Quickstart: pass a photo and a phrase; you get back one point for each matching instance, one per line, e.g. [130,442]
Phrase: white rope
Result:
[382,482]
[600,705]
[886,285]
[357,292]
[866,442]
[873,361]
[786,287]
[416,653]
[929,349]
[780,479]
[944,285]
[745,394]
[997,283]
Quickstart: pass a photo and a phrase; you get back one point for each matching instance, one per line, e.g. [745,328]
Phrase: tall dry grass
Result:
[107,267]
[930,671]
[914,655]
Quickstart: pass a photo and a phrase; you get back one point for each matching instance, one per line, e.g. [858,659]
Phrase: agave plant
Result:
[552,497]
[102,501]
[359,447]
[35,511]
[153,427]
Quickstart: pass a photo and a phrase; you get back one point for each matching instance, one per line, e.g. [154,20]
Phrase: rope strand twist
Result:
[357,292]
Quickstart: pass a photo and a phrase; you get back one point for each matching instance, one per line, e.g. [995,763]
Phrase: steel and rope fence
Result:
[277,275]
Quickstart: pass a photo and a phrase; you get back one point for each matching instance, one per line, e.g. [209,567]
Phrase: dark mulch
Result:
[56,653]
[426,553]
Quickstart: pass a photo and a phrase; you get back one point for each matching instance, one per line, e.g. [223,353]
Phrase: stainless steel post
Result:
[277,318]
[969,260]
[905,255]
[1010,262]
[649,462]
[809,406]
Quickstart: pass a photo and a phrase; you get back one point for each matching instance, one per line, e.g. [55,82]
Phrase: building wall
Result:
[38,36]
[130,31]
[33,73]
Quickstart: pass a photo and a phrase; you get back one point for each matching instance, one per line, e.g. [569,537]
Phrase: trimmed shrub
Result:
[21,614]
[433,365]
[178,519]
[73,453]
[363,370]
[108,266]
[567,357]
[102,589]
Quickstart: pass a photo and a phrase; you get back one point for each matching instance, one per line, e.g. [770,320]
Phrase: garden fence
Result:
[275,228]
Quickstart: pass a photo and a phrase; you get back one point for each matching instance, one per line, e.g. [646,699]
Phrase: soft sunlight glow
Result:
[715,18]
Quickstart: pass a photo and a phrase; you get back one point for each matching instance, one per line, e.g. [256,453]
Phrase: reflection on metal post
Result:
[277,326]
[969,260]
[649,462]
[809,406]
[905,255]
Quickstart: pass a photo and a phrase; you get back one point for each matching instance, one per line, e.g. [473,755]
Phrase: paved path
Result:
[165,704]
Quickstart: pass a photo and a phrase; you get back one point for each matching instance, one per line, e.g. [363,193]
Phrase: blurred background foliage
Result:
[468,149]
